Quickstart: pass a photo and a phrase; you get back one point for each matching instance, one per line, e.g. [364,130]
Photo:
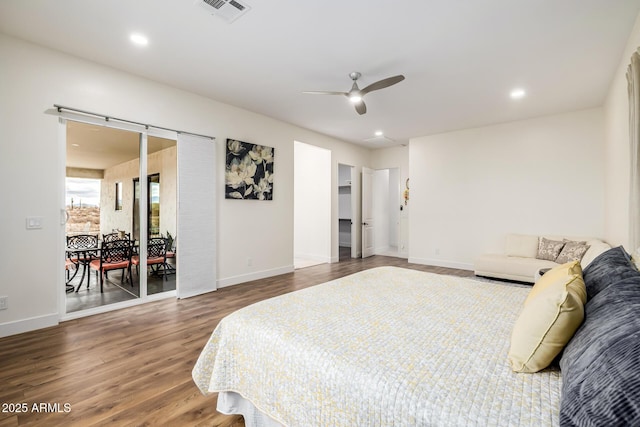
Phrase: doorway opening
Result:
[347,247]
[103,229]
[387,208]
[311,205]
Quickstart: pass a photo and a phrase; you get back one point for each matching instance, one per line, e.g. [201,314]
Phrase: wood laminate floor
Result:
[132,367]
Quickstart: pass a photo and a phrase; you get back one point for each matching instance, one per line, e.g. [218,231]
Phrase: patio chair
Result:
[83,241]
[114,255]
[110,237]
[156,256]
[171,254]
[115,236]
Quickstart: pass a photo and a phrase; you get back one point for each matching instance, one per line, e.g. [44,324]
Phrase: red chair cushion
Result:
[95,264]
[135,260]
[156,260]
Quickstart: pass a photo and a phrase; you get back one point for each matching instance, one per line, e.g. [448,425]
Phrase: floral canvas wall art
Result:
[249,171]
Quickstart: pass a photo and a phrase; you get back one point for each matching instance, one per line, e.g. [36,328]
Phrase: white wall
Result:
[33,78]
[312,202]
[470,188]
[617,162]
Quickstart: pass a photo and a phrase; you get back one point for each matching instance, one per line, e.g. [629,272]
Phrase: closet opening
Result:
[347,247]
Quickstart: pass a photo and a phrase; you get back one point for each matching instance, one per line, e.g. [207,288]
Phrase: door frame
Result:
[368,221]
[354,205]
[321,250]
[144,132]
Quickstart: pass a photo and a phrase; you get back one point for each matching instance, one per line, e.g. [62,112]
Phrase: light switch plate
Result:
[34,222]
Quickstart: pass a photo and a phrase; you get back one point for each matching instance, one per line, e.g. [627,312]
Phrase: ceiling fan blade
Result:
[361,108]
[324,92]
[381,84]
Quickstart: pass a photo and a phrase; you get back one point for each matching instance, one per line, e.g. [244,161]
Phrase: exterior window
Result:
[153,206]
[118,196]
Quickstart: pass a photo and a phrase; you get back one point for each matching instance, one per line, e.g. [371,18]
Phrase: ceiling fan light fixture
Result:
[356,94]
[518,93]
[139,39]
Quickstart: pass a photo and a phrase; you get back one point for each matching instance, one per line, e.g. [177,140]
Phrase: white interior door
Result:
[368,237]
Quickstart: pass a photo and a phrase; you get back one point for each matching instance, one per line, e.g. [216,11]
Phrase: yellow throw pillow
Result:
[551,314]
[559,272]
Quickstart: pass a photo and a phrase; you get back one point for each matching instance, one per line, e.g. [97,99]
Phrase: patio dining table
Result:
[84,256]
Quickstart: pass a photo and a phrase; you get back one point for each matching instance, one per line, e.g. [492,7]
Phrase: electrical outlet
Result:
[4,303]
[249,262]
[437,251]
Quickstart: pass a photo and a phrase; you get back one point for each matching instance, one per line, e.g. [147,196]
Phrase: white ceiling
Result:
[460,58]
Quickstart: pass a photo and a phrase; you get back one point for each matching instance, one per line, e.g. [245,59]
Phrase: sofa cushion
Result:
[549,249]
[600,365]
[596,247]
[510,267]
[550,316]
[607,268]
[522,245]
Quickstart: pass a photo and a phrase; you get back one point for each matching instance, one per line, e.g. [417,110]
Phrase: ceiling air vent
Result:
[228,10]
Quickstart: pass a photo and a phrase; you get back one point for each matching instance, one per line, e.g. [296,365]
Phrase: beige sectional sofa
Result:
[522,252]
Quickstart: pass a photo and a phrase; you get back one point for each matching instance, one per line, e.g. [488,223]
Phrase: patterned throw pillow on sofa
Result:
[549,249]
[572,251]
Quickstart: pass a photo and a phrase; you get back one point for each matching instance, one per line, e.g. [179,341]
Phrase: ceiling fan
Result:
[356,94]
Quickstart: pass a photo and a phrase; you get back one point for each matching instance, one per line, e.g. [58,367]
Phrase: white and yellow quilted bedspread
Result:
[384,347]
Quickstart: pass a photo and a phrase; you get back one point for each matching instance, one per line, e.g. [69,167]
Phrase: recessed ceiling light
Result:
[379,133]
[517,93]
[139,39]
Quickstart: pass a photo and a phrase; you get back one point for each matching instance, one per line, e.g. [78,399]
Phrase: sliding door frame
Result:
[144,132]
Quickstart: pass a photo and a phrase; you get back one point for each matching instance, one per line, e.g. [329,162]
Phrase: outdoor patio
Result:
[114,291]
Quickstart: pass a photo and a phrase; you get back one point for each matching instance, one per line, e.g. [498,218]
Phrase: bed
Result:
[398,347]
[384,347]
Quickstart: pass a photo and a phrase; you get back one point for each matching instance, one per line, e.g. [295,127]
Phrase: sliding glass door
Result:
[116,153]
[103,169]
[161,211]
[162,200]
